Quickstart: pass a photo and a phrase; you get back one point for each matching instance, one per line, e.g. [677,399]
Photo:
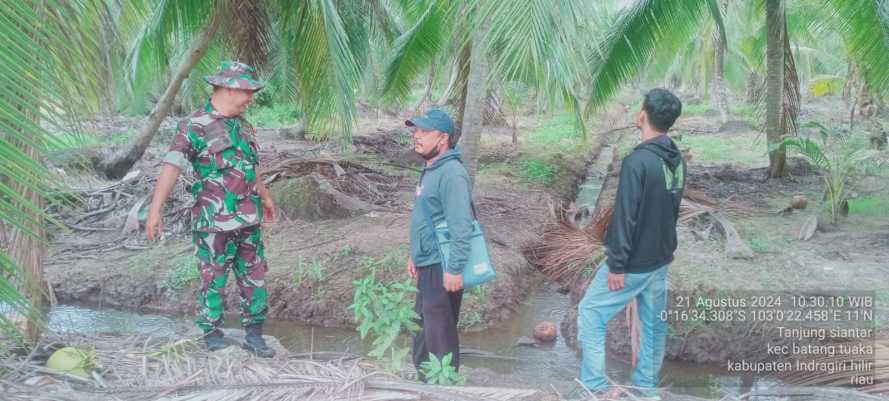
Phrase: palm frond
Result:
[541,43]
[809,149]
[791,102]
[645,28]
[168,25]
[326,65]
[248,31]
[195,91]
[51,51]
[716,13]
[865,31]
[417,48]
[383,20]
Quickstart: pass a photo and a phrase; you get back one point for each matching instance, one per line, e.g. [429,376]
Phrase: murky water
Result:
[551,362]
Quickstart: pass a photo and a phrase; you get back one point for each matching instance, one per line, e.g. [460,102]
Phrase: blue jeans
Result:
[600,304]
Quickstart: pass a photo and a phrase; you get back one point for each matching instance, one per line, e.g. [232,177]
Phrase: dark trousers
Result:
[439,311]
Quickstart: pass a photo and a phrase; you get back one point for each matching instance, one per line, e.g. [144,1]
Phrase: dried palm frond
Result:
[563,251]
[151,368]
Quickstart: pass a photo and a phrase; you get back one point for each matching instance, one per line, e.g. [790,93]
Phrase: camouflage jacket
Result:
[224,156]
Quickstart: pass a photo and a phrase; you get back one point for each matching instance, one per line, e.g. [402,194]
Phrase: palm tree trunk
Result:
[27,251]
[459,84]
[26,247]
[118,166]
[719,92]
[494,115]
[474,106]
[775,85]
[753,87]
[791,100]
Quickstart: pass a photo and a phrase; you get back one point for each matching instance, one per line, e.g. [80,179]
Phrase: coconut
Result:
[545,331]
[72,361]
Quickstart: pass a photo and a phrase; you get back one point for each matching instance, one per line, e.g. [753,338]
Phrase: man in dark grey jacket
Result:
[640,242]
[444,193]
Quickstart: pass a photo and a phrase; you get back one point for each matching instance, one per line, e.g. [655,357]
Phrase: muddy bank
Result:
[838,258]
[314,255]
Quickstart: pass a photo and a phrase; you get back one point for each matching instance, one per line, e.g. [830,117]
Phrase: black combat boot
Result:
[255,344]
[215,340]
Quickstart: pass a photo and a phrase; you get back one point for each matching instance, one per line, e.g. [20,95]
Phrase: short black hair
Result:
[662,107]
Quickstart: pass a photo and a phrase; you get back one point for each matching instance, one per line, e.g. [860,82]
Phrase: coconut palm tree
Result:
[317,49]
[544,42]
[649,29]
[49,69]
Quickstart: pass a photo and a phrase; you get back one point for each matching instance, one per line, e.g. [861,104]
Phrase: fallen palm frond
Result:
[152,368]
[563,251]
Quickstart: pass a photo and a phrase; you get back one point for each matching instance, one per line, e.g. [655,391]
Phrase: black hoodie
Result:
[642,234]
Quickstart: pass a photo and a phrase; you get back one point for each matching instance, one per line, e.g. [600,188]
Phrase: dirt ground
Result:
[312,264]
[850,256]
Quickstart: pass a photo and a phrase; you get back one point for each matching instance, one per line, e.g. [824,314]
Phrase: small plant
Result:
[538,171]
[384,311]
[274,116]
[440,371]
[185,271]
[307,271]
[713,386]
[840,162]
[343,252]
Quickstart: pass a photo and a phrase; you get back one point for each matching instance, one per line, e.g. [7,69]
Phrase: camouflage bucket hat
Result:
[235,75]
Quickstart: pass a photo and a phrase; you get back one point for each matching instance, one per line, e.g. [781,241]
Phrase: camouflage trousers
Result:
[242,251]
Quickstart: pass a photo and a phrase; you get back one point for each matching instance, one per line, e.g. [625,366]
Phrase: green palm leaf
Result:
[50,60]
[325,62]
[864,27]
[647,27]
[417,48]
[538,42]
[169,23]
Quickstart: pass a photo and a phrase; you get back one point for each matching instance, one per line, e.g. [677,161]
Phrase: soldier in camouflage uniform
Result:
[230,203]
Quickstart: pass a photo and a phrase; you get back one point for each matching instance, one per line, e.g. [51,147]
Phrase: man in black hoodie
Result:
[640,242]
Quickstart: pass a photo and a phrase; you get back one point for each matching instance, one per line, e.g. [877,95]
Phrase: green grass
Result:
[539,171]
[275,116]
[81,140]
[393,259]
[557,136]
[560,131]
[183,273]
[711,149]
[746,111]
[739,111]
[736,111]
[762,237]
[305,270]
[498,168]
[869,206]
[696,109]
